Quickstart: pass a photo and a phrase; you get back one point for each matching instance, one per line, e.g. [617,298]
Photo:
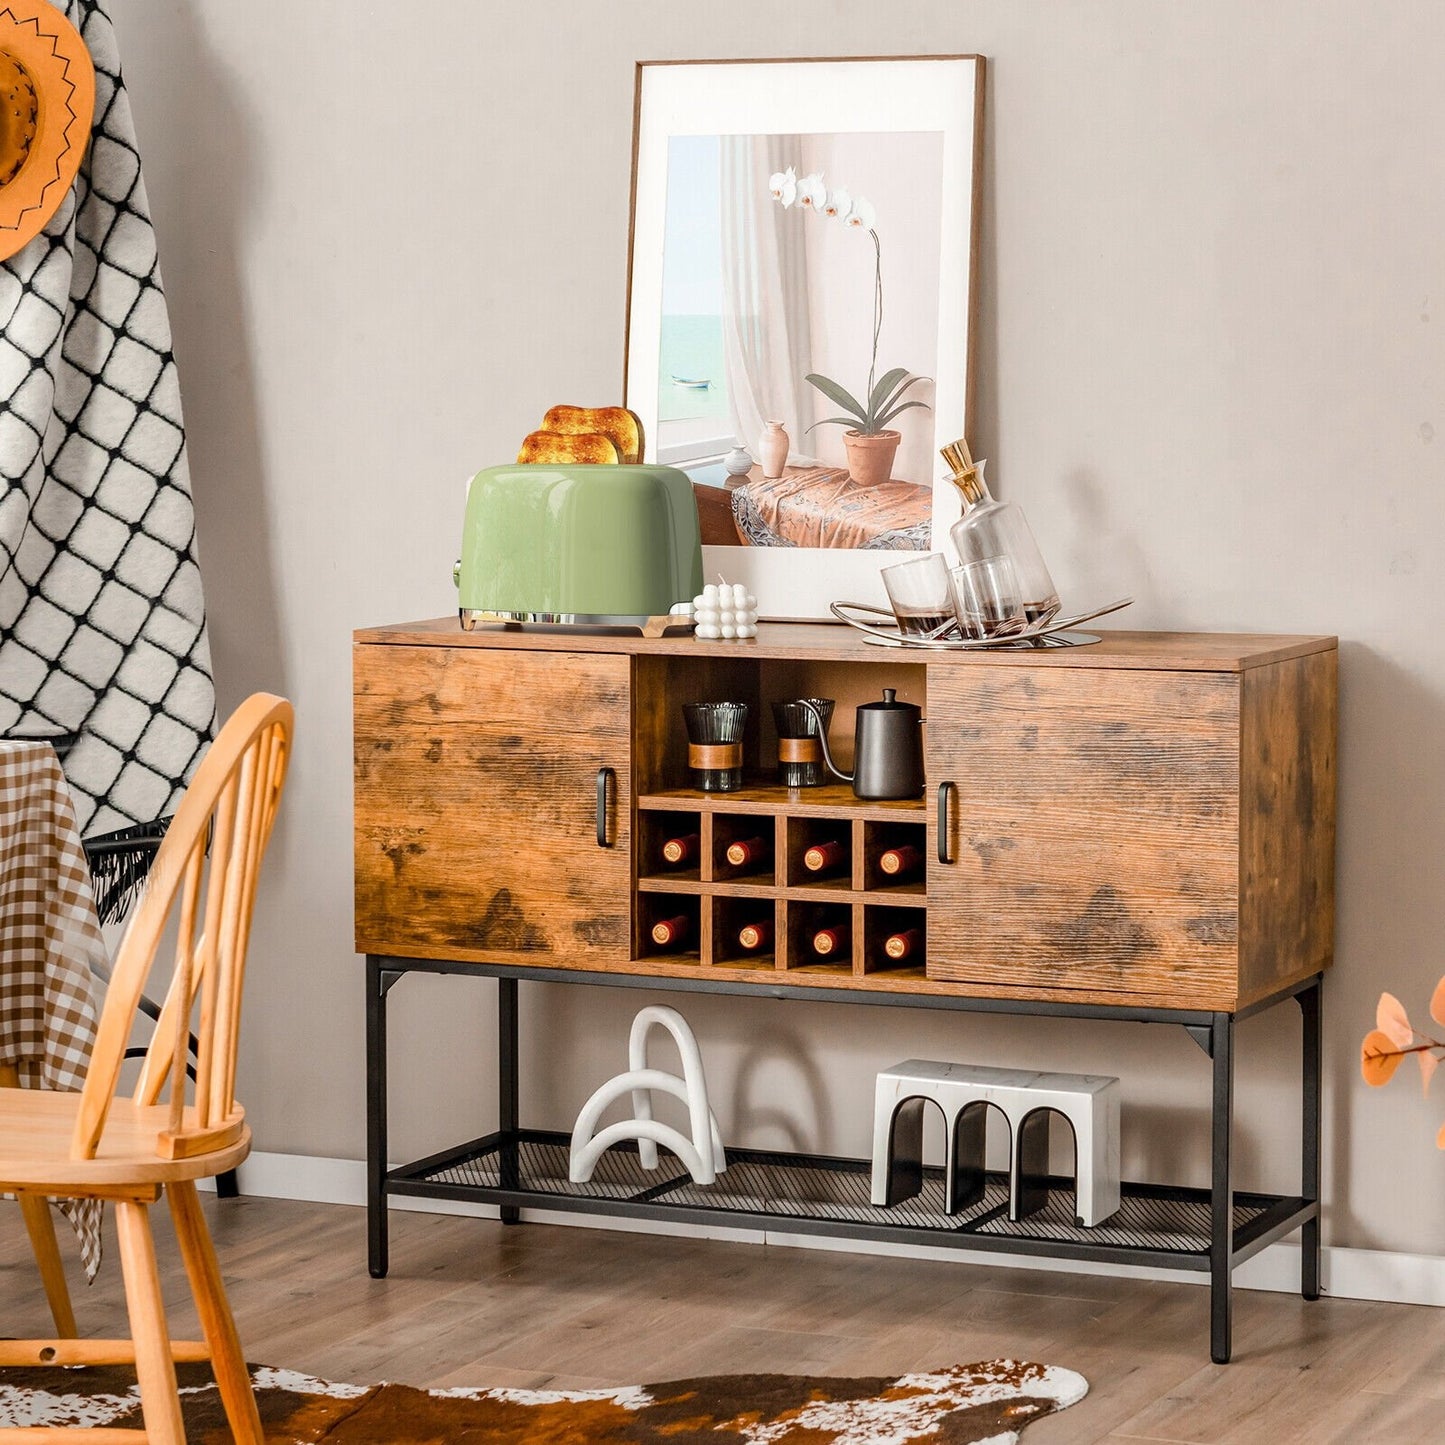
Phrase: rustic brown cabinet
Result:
[1142,828]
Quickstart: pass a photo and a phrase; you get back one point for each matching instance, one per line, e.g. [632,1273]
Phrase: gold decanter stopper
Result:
[963,472]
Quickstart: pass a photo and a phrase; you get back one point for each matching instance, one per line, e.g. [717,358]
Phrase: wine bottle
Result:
[749,852]
[671,932]
[756,935]
[907,943]
[830,942]
[682,849]
[825,857]
[898,863]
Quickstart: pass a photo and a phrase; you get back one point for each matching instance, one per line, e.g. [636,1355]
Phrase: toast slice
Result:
[554,446]
[611,421]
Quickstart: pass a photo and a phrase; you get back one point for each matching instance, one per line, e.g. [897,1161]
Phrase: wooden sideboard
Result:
[1142,828]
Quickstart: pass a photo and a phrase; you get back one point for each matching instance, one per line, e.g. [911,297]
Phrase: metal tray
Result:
[1056,632]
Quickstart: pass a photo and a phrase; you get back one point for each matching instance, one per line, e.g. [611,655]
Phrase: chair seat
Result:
[36,1126]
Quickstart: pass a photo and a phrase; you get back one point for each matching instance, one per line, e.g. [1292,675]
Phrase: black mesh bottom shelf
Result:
[806,1194]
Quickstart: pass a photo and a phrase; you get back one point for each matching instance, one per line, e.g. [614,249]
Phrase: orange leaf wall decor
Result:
[1379,1058]
[1391,1019]
[1428,1064]
[1393,1038]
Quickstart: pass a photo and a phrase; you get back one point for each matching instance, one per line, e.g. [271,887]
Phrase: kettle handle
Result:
[823,739]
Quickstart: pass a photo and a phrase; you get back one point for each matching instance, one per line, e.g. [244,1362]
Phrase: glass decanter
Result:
[990,528]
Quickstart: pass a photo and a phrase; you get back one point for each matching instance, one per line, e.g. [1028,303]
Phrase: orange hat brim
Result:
[50,49]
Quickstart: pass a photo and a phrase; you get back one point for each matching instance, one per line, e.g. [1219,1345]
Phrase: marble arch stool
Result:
[1028,1100]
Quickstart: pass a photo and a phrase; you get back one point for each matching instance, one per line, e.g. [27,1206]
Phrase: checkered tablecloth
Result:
[49,938]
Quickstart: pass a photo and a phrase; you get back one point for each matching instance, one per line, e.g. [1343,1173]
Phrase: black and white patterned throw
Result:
[102,624]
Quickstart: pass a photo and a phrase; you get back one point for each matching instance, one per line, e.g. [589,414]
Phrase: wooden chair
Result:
[129,1150]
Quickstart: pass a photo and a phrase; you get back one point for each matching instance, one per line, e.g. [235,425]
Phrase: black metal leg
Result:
[1221,1201]
[507,1101]
[378,981]
[1311,1008]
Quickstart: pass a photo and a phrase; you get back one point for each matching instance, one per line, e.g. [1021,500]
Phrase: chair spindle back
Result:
[205,871]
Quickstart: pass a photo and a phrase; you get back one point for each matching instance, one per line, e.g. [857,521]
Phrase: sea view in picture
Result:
[690,369]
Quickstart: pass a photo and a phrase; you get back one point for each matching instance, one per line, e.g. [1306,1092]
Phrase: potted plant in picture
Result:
[869,441]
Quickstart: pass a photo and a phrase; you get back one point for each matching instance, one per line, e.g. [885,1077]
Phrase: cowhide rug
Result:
[982,1404]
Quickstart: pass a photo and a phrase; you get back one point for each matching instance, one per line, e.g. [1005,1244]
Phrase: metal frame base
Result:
[1163,1226]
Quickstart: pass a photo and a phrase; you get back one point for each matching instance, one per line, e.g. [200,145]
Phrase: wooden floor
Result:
[469,1302]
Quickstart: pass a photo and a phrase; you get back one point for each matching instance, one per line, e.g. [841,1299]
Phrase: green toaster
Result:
[573,545]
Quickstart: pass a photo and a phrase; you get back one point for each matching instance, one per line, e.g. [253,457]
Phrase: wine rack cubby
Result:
[656,910]
[669,848]
[895,858]
[819,853]
[820,937]
[746,931]
[903,925]
[744,848]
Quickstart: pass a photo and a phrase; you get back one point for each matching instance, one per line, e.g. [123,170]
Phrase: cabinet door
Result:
[477,805]
[1093,833]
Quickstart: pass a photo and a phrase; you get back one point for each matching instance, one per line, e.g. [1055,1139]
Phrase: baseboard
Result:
[1365,1274]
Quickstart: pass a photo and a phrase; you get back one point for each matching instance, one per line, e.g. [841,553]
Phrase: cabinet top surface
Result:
[1198,651]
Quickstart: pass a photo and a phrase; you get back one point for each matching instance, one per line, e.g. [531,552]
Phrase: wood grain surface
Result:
[824,642]
[1095,837]
[1287,821]
[476,800]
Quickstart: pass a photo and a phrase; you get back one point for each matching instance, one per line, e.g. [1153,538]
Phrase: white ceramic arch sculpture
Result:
[703,1153]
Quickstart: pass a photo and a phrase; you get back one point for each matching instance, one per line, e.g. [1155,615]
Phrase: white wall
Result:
[1210,365]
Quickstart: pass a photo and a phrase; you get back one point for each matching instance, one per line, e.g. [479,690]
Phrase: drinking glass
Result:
[715,744]
[987,598]
[800,754]
[919,595]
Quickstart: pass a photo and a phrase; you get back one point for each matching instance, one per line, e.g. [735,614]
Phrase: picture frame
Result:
[922,115]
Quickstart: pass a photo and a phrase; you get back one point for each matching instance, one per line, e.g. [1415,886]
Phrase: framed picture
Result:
[801,287]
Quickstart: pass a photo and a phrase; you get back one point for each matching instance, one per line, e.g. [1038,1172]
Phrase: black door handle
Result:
[604,775]
[945,791]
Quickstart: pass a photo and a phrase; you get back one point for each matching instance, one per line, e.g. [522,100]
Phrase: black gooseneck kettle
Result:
[887,751]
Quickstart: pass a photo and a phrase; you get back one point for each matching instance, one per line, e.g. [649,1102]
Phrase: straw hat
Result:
[47,100]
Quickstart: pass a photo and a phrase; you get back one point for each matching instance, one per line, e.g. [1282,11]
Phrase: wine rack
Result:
[771,833]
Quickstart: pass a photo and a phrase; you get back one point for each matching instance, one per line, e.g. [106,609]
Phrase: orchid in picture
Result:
[811,193]
[783,187]
[883,398]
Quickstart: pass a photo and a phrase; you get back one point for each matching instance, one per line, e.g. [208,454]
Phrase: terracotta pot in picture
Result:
[870,457]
